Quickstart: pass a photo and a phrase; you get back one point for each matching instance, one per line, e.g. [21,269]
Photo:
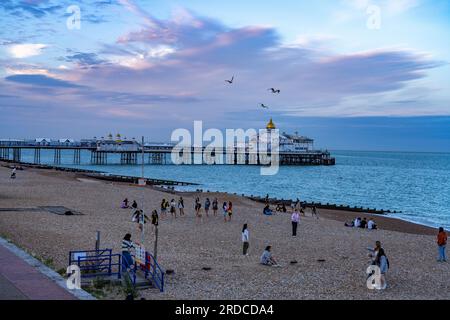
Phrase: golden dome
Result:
[270,125]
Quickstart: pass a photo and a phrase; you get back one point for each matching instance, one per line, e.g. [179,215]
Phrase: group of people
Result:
[377,254]
[172,206]
[362,223]
[266,258]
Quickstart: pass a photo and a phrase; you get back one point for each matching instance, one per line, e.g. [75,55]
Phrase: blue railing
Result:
[153,270]
[97,263]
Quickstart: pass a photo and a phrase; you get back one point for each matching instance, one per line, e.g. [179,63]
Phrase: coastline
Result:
[187,245]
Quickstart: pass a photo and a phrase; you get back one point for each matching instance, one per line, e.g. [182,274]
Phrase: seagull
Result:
[262,105]
[230,81]
[274,90]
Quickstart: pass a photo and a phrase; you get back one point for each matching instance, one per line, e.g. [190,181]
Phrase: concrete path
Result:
[22,277]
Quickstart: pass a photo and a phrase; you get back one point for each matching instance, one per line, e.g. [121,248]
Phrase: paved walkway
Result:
[21,281]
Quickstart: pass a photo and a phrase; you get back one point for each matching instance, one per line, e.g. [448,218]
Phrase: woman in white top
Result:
[245,238]
[295,218]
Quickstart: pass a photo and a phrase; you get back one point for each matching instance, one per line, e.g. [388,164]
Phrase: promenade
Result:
[21,281]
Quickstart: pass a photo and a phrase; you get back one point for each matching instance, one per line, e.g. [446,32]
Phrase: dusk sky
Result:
[350,78]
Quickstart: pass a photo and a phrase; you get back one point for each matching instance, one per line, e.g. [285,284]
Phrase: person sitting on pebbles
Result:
[267,259]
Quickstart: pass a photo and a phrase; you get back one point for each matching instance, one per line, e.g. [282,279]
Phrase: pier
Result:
[162,156]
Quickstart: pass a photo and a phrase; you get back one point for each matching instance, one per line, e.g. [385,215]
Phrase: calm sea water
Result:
[418,184]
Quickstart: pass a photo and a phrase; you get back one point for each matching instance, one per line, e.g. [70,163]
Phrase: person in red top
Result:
[442,242]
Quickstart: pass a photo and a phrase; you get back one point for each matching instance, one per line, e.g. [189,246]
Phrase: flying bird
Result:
[274,90]
[230,81]
[262,105]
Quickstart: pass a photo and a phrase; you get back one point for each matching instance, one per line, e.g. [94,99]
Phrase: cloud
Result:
[41,81]
[26,50]
[84,59]
[34,8]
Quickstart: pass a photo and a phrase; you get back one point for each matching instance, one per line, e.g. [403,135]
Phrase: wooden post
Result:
[155,249]
[97,241]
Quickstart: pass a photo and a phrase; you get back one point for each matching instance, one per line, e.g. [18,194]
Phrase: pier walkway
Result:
[19,280]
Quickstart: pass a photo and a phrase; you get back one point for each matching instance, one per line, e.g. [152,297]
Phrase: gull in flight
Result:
[274,90]
[230,81]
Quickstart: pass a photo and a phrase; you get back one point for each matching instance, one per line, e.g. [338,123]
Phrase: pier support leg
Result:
[37,155]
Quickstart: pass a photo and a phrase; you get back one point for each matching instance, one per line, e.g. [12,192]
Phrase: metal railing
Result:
[97,263]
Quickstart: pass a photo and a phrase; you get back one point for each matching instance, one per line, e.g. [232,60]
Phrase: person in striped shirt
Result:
[127,258]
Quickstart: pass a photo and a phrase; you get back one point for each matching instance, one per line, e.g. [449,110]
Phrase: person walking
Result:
[295,218]
[245,240]
[442,242]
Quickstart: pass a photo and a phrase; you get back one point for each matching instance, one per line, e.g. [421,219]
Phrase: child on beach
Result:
[267,259]
[207,205]
[13,173]
[442,242]
[215,206]
[134,204]
[181,206]
[245,238]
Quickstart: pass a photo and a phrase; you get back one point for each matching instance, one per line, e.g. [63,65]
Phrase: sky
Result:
[353,74]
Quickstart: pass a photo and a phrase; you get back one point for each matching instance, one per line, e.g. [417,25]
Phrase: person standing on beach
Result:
[295,218]
[230,210]
[181,206]
[164,205]
[374,252]
[245,238]
[442,242]
[225,211]
[173,208]
[383,263]
[314,212]
[127,245]
[215,206]
[207,205]
[13,173]
[197,206]
[155,219]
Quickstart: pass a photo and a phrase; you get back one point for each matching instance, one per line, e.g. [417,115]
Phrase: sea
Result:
[415,183]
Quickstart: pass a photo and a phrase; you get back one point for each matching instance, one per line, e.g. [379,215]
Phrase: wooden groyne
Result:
[100,174]
[319,205]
